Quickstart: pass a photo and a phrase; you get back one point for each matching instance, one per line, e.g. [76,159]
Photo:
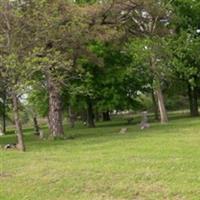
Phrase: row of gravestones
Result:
[143,125]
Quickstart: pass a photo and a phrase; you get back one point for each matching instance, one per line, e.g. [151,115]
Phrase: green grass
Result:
[162,162]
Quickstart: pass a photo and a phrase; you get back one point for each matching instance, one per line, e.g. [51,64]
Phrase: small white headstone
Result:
[144,123]
[41,134]
[1,131]
[123,130]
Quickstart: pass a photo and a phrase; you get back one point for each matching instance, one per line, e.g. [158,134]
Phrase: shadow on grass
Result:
[105,131]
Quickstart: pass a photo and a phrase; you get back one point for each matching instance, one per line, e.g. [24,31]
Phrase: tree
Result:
[61,40]
[185,64]
[185,47]
[149,20]
[12,49]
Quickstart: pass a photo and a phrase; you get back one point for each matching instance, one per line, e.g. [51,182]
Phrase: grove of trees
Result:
[88,58]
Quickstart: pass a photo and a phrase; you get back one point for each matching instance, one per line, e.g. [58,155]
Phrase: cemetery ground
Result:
[162,162]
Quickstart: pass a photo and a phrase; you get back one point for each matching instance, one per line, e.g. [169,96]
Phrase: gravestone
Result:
[1,132]
[123,130]
[10,146]
[144,123]
[41,134]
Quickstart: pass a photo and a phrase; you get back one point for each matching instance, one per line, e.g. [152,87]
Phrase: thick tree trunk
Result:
[106,116]
[190,100]
[90,114]
[161,104]
[72,117]
[155,107]
[55,110]
[48,120]
[97,117]
[36,126]
[20,140]
[193,101]
[84,116]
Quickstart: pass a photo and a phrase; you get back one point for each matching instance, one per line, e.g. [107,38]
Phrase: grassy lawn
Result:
[162,162]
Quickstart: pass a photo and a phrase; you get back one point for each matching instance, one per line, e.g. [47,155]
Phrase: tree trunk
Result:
[97,117]
[190,100]
[55,110]
[155,107]
[84,116]
[106,116]
[161,104]
[158,91]
[71,117]
[20,140]
[36,126]
[193,101]
[90,114]
[4,113]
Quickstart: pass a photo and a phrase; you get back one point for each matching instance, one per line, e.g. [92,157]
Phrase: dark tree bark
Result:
[36,126]
[193,100]
[97,116]
[55,110]
[72,117]
[20,139]
[106,116]
[84,116]
[90,114]
[4,113]
[155,107]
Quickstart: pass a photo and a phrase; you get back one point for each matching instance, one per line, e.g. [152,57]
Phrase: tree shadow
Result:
[103,132]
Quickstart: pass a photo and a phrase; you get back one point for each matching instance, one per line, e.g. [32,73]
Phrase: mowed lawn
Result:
[162,162]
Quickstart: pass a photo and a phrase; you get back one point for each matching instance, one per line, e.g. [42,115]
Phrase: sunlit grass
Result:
[162,162]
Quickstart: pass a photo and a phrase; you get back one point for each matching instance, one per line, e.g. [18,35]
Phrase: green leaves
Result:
[186,58]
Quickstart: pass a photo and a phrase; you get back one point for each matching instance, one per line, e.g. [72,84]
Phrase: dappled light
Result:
[99,99]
